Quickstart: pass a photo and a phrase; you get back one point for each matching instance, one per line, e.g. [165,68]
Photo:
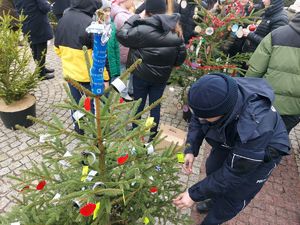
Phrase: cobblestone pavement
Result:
[276,204]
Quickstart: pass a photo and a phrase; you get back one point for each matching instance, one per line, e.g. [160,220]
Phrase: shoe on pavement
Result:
[47,76]
[47,70]
[204,207]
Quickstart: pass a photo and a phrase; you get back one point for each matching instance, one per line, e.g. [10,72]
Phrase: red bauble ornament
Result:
[153,189]
[88,209]
[252,27]
[87,104]
[121,100]
[41,185]
[123,159]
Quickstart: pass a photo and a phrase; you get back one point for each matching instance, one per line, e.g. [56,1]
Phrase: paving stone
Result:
[4,201]
[25,160]
[13,151]
[4,188]
[31,142]
[3,144]
[28,165]
[33,155]
[4,171]
[14,165]
[3,157]
[6,162]
[15,144]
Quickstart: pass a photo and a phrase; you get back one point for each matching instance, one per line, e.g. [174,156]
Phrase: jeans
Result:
[290,121]
[77,95]
[142,89]
[39,52]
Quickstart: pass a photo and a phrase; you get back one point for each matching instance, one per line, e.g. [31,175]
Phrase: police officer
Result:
[248,138]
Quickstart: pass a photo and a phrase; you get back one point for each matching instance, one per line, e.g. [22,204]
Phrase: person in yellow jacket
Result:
[70,37]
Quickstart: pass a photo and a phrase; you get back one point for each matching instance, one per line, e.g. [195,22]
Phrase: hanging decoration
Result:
[41,185]
[88,209]
[180,157]
[87,104]
[153,190]
[101,32]
[123,159]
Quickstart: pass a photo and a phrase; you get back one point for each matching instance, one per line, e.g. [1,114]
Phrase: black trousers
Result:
[290,121]
[77,95]
[227,206]
[39,52]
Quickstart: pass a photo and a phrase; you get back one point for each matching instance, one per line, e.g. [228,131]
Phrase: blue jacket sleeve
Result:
[243,160]
[44,6]
[195,137]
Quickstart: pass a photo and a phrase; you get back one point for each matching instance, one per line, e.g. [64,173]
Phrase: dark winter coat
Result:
[7,7]
[153,40]
[60,6]
[71,36]
[277,60]
[252,127]
[273,17]
[36,23]
[186,17]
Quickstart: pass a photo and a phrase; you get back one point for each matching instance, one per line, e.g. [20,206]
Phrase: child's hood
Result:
[87,6]
[116,9]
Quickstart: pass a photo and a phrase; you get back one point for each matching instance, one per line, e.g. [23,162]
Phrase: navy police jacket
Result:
[252,127]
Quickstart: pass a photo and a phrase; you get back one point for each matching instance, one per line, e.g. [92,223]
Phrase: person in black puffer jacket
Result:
[186,14]
[273,17]
[153,39]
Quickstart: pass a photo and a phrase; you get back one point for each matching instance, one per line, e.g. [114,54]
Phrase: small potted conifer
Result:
[16,78]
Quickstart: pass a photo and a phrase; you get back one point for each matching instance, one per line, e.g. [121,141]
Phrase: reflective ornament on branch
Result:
[183,4]
[209,31]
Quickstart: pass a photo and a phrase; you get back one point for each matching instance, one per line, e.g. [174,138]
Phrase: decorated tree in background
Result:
[217,30]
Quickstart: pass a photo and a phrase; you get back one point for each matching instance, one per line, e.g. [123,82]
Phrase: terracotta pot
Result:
[17,112]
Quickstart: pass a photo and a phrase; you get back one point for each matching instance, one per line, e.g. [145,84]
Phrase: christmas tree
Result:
[109,175]
[209,51]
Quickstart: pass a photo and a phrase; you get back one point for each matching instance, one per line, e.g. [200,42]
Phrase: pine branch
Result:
[61,130]
[87,60]
[137,116]
[80,87]
[125,74]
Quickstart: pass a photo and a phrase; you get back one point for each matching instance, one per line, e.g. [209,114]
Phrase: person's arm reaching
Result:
[244,159]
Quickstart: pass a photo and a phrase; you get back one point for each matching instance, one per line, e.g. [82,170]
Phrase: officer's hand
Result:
[183,201]
[188,163]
